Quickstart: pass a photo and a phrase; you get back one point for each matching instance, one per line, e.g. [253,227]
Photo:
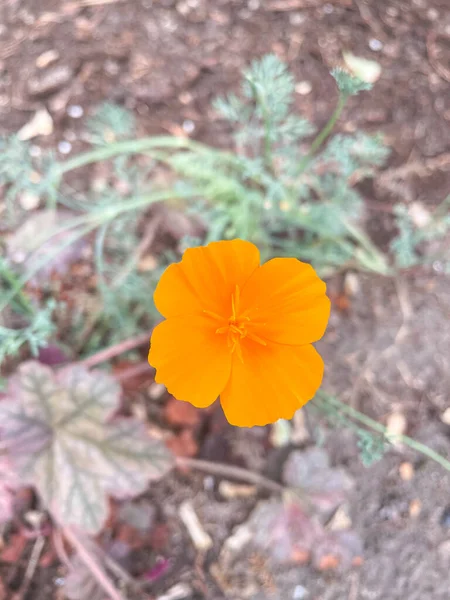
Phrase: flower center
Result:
[237,327]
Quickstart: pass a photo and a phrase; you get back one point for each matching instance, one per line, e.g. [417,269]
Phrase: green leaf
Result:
[61,439]
[348,84]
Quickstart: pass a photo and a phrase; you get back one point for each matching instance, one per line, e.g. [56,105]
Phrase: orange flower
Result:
[240,330]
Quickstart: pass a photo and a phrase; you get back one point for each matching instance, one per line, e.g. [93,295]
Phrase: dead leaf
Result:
[61,439]
[9,481]
[182,414]
[183,444]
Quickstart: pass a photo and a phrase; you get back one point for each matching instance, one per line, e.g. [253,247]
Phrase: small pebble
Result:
[406,471]
[445,517]
[328,9]
[75,111]
[375,45]
[445,417]
[300,593]
[47,58]
[64,147]
[438,266]
[253,4]
[188,126]
[35,151]
[296,18]
[303,88]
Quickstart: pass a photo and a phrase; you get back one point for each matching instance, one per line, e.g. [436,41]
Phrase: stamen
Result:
[222,329]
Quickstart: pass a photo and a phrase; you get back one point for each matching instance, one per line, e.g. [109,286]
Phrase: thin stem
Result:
[20,283]
[128,147]
[323,134]
[92,221]
[91,563]
[113,351]
[375,426]
[225,470]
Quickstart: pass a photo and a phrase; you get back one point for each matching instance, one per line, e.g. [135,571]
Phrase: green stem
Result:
[374,259]
[323,134]
[127,147]
[375,426]
[12,281]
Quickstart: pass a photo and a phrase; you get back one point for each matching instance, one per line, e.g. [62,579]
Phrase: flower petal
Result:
[286,302]
[190,359]
[270,383]
[205,278]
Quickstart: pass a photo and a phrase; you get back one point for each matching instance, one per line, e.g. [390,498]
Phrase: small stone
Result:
[351,284]
[65,147]
[341,520]
[443,551]
[47,58]
[406,471]
[415,508]
[445,417]
[300,593]
[296,18]
[375,45]
[147,263]
[395,426]
[445,517]
[156,390]
[188,126]
[40,124]
[75,111]
[28,200]
[419,214]
[303,88]
[253,4]
[49,81]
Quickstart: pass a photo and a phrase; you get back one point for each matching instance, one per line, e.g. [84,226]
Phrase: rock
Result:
[443,551]
[47,58]
[445,518]
[50,81]
[40,124]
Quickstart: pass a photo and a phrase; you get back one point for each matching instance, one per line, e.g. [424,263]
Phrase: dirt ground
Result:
[388,351]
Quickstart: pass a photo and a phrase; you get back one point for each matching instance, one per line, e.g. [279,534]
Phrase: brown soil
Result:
[166,61]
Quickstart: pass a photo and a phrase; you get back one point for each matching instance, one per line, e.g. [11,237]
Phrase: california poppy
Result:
[240,330]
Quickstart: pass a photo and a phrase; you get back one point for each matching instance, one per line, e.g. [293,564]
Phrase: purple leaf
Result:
[61,439]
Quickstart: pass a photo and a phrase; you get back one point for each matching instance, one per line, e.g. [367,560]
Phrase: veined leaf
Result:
[62,439]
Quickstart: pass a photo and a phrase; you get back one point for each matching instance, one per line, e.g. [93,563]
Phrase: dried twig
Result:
[433,52]
[133,371]
[113,351]
[91,563]
[32,564]
[144,244]
[230,471]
